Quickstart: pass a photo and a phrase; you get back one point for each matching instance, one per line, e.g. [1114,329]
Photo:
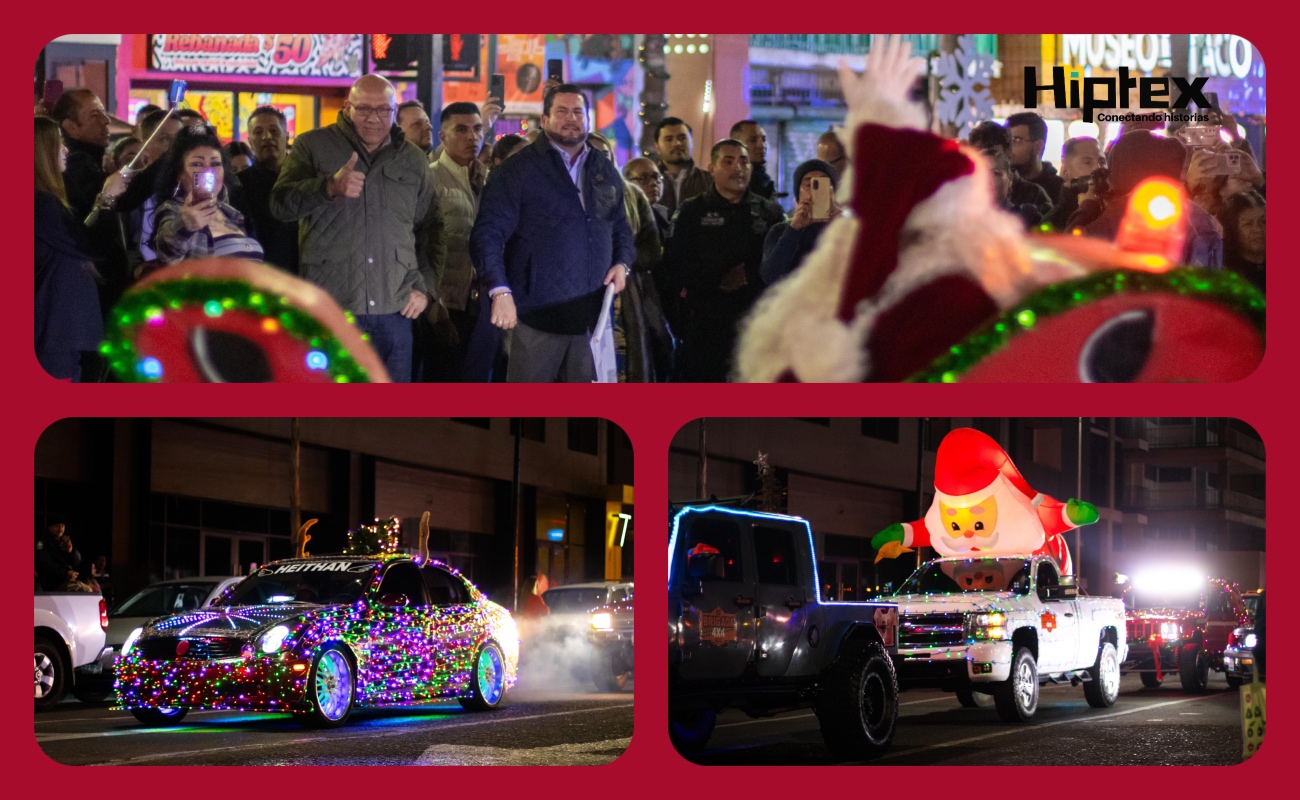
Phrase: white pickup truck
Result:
[1002,626]
[70,630]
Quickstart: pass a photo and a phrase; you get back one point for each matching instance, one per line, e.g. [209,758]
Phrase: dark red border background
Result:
[650,414]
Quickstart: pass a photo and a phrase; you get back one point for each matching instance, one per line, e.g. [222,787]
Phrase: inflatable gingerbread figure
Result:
[983,506]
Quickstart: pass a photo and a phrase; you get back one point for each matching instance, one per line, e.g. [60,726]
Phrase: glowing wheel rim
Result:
[1026,685]
[43,668]
[1110,675]
[333,685]
[491,675]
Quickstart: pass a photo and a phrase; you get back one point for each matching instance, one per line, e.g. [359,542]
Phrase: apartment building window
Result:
[935,430]
[1047,447]
[584,435]
[531,428]
[882,428]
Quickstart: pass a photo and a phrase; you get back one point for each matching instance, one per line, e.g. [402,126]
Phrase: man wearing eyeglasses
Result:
[369,231]
[1028,140]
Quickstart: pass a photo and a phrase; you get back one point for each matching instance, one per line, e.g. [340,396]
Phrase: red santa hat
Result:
[925,258]
[916,166]
[967,468]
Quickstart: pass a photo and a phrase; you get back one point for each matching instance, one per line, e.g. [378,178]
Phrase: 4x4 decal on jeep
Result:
[717,627]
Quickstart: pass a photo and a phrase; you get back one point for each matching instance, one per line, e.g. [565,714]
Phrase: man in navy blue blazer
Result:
[550,235]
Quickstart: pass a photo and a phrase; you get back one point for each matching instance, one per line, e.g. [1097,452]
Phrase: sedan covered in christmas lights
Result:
[320,636]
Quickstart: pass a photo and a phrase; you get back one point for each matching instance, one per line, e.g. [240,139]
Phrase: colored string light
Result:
[403,655]
[150,305]
[1221,287]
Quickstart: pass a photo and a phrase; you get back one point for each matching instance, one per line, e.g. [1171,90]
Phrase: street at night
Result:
[532,729]
[1164,726]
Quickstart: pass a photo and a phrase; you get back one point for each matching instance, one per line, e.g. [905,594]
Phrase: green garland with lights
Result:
[381,538]
[216,297]
[1225,288]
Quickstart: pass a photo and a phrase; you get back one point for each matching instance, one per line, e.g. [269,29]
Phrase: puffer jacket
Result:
[458,204]
[370,252]
[534,235]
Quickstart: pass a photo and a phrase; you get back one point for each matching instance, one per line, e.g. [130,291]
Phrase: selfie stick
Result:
[129,170]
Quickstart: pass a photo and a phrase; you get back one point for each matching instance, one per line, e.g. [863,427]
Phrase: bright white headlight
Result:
[1250,641]
[272,639]
[602,621]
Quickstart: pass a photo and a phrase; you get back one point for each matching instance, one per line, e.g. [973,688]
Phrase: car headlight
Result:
[602,621]
[274,638]
[989,625]
[130,640]
[1250,641]
[1170,630]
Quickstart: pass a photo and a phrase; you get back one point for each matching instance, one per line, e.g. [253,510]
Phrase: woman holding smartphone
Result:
[194,217]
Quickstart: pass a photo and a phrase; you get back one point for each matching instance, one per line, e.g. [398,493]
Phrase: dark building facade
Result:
[166,498]
[1179,490]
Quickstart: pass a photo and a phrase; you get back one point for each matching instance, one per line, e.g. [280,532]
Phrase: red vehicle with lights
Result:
[320,636]
[1180,622]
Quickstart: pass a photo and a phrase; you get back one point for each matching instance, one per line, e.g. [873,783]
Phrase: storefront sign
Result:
[1216,55]
[1220,55]
[312,55]
[1140,51]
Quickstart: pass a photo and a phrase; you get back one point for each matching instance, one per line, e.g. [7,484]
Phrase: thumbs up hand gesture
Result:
[347,182]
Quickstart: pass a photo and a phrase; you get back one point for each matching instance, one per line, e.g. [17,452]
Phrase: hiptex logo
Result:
[1152,93]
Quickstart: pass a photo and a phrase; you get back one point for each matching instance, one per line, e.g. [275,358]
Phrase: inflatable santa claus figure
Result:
[984,507]
[926,278]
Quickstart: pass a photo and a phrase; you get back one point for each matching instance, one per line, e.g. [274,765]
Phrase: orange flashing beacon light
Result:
[1155,223]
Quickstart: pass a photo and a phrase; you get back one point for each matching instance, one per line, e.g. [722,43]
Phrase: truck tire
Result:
[1102,688]
[1194,670]
[51,672]
[605,673]
[858,703]
[689,731]
[969,698]
[1151,680]
[1234,682]
[1017,696]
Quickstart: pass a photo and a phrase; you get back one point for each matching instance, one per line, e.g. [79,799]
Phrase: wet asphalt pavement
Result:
[572,727]
[1163,726]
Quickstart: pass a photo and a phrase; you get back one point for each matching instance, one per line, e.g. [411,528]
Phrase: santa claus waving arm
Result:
[983,506]
[925,257]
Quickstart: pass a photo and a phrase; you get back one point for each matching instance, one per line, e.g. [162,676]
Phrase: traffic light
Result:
[393,52]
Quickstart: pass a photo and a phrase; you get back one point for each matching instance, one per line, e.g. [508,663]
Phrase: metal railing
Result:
[1200,433]
[1174,498]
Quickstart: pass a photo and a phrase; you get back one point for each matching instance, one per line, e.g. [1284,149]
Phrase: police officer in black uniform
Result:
[714,255]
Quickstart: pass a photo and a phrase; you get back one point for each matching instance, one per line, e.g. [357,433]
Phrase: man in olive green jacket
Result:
[369,231]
